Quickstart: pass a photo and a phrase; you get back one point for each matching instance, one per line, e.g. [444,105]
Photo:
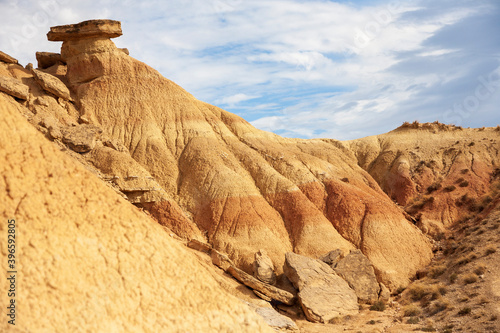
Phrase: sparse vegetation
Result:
[464,311]
[470,278]
[439,306]
[490,250]
[437,271]
[465,183]
[450,188]
[411,311]
[453,277]
[434,187]
[413,320]
[480,269]
[378,306]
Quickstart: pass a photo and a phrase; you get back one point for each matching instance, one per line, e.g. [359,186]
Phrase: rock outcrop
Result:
[92,260]
[245,189]
[358,272]
[323,295]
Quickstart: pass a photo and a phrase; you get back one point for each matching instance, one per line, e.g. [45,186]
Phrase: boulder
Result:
[277,294]
[263,268]
[323,295]
[358,271]
[332,257]
[14,87]
[48,59]
[86,29]
[4,57]
[51,84]
[81,138]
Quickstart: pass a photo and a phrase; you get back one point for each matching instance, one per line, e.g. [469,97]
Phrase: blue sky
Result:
[334,69]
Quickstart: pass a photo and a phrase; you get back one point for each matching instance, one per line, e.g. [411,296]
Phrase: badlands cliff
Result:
[114,133]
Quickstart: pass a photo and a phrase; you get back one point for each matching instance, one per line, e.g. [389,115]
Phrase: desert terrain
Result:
[138,207]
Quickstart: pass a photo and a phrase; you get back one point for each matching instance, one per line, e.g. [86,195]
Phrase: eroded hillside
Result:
[207,175]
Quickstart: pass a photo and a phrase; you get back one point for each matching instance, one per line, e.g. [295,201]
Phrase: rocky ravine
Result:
[202,172]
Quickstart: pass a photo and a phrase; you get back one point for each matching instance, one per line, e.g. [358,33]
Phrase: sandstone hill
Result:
[439,173]
[116,129]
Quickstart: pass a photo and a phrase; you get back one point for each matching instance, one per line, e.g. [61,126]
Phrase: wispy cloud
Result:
[300,68]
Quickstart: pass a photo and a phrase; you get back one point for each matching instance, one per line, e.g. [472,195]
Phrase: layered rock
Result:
[246,189]
[323,295]
[92,260]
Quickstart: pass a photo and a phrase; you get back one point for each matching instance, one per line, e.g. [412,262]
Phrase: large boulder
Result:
[323,295]
[358,271]
[263,268]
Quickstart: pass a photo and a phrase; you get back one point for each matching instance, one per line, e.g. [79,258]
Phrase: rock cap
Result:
[85,29]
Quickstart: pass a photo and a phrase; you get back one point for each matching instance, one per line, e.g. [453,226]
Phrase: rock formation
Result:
[212,179]
[244,188]
[323,295]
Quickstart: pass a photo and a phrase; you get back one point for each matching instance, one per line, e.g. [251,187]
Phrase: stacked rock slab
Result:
[323,295]
[244,188]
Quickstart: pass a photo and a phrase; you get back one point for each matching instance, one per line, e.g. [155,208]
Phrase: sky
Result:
[306,69]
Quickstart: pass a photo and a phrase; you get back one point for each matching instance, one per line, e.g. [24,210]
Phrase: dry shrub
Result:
[434,187]
[411,311]
[413,320]
[480,269]
[465,183]
[438,306]
[453,277]
[464,311]
[470,278]
[437,271]
[466,259]
[378,306]
[450,188]
[490,250]
[423,292]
